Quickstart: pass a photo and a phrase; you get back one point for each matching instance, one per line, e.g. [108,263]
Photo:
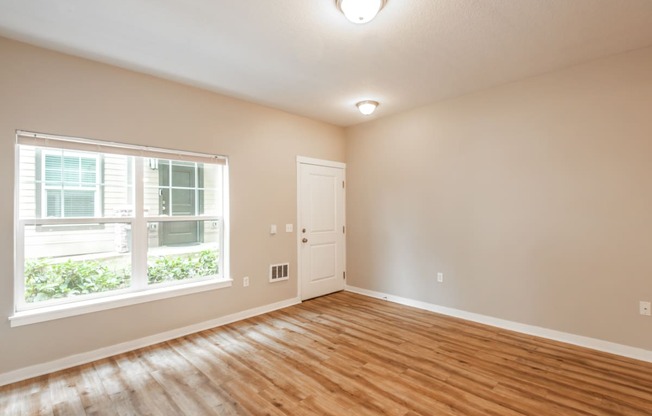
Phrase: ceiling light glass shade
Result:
[360,11]
[367,107]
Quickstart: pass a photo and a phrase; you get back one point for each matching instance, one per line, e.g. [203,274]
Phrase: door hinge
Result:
[342,184]
[344,229]
[344,275]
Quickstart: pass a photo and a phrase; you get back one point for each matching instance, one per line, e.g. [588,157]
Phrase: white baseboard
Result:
[87,357]
[592,343]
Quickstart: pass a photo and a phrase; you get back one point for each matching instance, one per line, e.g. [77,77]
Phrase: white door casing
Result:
[320,227]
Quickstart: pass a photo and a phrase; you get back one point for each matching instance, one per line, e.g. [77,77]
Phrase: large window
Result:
[102,221]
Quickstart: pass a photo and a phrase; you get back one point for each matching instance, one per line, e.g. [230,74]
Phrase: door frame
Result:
[302,160]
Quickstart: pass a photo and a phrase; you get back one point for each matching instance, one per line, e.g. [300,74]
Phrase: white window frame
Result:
[139,291]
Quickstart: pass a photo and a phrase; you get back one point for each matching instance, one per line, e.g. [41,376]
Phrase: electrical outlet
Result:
[440,277]
[644,308]
[245,281]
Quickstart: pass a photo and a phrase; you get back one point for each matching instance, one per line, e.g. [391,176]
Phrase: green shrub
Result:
[166,269]
[44,280]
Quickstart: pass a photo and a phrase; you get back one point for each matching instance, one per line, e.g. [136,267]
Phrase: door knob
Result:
[305,240]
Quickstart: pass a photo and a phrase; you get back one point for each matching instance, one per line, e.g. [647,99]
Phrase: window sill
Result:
[95,305]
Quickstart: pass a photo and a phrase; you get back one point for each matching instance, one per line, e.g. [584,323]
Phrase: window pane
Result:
[182,188]
[53,203]
[79,203]
[88,172]
[64,173]
[73,203]
[62,262]
[53,169]
[182,250]
[71,171]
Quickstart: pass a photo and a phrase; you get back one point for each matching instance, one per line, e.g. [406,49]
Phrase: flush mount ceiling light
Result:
[360,11]
[367,107]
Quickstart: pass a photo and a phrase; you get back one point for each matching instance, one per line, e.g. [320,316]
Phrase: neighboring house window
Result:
[70,184]
[100,221]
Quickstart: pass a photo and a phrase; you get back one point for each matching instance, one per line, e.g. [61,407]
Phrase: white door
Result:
[320,227]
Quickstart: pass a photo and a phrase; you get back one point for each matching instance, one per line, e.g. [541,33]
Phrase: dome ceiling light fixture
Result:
[367,107]
[360,11]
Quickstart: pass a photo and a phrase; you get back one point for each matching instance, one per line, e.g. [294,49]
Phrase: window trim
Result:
[139,291]
[49,313]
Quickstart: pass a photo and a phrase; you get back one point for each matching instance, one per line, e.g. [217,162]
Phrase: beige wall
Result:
[49,92]
[534,199]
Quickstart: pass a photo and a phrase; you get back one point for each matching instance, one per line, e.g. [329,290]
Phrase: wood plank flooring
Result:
[345,354]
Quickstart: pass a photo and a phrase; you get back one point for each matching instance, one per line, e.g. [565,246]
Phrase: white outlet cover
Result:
[440,277]
[245,281]
[272,229]
[289,228]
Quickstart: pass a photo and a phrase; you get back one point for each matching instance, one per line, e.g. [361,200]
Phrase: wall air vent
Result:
[278,272]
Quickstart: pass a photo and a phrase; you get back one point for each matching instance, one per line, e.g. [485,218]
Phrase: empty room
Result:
[326,207]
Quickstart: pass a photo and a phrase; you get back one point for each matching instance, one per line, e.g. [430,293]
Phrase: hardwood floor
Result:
[345,354]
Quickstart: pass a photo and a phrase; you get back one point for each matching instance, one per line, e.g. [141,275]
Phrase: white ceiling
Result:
[304,57]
